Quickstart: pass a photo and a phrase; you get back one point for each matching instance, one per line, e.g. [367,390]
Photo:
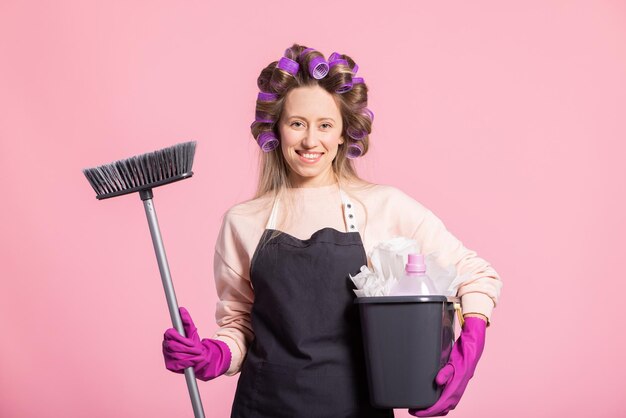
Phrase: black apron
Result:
[306,360]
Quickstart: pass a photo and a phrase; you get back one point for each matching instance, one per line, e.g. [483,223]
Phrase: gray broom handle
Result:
[172,304]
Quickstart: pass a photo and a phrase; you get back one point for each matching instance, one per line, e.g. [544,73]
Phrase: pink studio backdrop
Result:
[504,118]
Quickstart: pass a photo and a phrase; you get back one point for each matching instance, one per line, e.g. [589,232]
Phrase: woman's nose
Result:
[310,139]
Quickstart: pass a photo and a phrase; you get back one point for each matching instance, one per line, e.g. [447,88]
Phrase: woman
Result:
[286,313]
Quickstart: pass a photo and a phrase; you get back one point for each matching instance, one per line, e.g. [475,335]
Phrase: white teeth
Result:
[311,156]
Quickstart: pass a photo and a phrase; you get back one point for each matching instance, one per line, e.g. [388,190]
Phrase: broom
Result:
[141,174]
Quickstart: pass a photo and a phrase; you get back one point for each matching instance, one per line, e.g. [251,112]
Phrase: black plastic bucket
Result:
[407,340]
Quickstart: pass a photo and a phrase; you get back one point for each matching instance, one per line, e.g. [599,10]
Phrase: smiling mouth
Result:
[309,155]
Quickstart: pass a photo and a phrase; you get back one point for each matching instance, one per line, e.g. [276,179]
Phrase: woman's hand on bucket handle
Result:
[208,357]
[455,375]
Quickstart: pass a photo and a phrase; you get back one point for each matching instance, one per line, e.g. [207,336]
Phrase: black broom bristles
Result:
[142,172]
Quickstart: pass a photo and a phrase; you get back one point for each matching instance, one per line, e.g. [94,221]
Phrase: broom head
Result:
[142,172]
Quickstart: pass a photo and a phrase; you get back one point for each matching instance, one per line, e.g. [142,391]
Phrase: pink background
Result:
[504,118]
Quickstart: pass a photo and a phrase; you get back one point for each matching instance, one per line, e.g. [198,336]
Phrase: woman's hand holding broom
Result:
[208,357]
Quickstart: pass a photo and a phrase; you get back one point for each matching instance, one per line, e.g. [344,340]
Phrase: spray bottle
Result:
[415,281]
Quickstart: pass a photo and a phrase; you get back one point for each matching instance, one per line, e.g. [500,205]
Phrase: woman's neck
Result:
[324,180]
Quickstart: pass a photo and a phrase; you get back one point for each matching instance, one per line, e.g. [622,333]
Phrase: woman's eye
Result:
[298,124]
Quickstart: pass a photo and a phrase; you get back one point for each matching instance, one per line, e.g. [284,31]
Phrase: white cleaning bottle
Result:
[415,281]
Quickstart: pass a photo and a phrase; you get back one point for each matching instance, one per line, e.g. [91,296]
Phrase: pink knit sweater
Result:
[382,212]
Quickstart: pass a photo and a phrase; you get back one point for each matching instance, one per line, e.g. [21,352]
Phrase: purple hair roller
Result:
[267,141]
[267,97]
[259,121]
[357,80]
[306,51]
[356,133]
[288,65]
[286,53]
[318,68]
[369,113]
[344,88]
[336,56]
[338,61]
[263,117]
[354,151]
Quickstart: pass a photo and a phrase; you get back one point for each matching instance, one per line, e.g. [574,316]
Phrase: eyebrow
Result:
[302,117]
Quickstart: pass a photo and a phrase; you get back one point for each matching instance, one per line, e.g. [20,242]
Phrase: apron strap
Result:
[349,213]
[271,222]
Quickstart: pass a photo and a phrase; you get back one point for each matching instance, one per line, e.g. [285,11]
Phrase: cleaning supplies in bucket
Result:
[415,281]
[388,261]
[407,322]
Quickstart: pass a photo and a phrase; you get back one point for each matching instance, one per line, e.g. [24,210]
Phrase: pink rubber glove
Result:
[459,370]
[209,358]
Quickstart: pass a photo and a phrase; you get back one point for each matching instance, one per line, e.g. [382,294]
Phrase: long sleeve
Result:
[231,269]
[480,292]
[407,217]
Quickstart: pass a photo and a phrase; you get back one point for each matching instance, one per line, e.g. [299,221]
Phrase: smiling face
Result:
[310,133]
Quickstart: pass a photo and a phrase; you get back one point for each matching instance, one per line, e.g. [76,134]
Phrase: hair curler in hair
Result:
[354,150]
[288,65]
[369,113]
[357,134]
[263,117]
[267,141]
[338,61]
[337,56]
[334,56]
[318,67]
[266,97]
[345,87]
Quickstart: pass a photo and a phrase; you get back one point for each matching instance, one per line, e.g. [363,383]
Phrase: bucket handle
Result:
[459,313]
[456,303]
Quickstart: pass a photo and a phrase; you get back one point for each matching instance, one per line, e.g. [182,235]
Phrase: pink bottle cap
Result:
[415,264]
